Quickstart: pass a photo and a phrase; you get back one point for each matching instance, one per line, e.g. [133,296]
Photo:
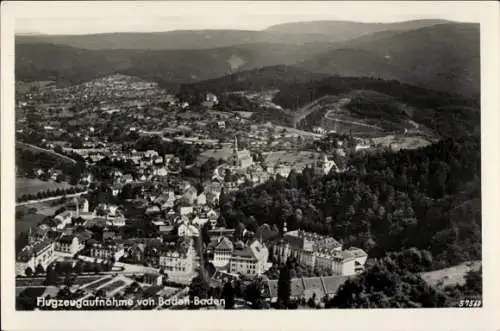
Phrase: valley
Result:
[305,165]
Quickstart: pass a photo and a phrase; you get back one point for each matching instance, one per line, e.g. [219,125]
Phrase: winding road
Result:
[338,107]
[335,108]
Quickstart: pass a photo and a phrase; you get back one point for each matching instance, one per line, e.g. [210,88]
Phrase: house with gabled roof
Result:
[222,252]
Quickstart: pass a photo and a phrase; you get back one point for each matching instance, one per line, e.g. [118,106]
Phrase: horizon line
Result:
[444,21]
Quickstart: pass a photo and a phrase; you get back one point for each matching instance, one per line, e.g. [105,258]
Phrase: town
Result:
[119,190]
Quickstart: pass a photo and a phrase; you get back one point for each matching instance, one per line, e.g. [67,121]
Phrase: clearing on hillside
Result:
[362,113]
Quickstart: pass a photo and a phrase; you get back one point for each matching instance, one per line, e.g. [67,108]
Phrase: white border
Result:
[418,319]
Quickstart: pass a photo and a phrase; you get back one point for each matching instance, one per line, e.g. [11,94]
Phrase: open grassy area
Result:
[402,142]
[297,160]
[33,186]
[450,276]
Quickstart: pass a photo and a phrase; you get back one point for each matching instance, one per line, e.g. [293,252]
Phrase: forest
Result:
[428,199]
[445,113]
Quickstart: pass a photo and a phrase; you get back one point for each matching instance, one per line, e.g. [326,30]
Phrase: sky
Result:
[90,17]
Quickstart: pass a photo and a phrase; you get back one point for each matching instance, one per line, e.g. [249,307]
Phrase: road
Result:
[303,112]
[338,107]
[30,202]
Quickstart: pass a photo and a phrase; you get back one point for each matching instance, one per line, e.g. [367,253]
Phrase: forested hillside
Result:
[427,198]
[445,113]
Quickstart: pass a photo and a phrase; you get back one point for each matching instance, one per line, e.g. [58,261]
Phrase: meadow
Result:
[33,186]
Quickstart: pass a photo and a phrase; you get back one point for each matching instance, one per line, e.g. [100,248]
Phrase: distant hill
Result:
[290,33]
[346,30]
[440,56]
[444,113]
[65,64]
[443,57]
[261,79]
[177,40]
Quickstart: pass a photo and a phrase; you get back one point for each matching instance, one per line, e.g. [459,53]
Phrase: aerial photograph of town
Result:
[301,164]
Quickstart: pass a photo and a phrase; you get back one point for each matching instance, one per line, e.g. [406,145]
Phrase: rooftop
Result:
[245,253]
[34,249]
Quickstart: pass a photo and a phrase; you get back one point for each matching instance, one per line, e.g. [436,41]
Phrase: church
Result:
[240,159]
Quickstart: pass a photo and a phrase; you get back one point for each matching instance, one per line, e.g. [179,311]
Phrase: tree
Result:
[199,288]
[474,282]
[228,295]
[68,280]
[205,233]
[39,269]
[97,268]
[51,276]
[253,293]
[78,267]
[284,286]
[28,272]
[386,285]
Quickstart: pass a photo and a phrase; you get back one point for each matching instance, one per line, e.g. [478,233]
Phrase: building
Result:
[320,252]
[261,253]
[282,169]
[64,219]
[68,244]
[251,260]
[307,288]
[177,259]
[106,250]
[153,279]
[201,199]
[188,230]
[222,252]
[185,210]
[325,166]
[243,261]
[240,159]
[36,253]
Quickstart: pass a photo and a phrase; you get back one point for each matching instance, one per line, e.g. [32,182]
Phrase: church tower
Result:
[235,152]
[77,206]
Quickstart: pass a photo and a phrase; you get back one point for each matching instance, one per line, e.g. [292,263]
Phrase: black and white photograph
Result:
[247,156]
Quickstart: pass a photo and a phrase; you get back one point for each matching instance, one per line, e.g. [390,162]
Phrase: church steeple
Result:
[235,145]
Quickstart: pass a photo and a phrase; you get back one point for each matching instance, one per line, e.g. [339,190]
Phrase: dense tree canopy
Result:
[427,198]
[387,285]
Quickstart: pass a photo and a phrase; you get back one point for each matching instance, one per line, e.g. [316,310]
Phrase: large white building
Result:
[36,253]
[178,259]
[223,252]
[318,251]
[68,244]
[107,250]
[251,260]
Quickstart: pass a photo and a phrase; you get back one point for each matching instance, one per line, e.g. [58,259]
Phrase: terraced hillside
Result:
[361,112]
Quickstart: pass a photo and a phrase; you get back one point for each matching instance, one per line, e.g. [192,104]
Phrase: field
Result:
[33,186]
[27,221]
[297,160]
[402,142]
[223,153]
[30,218]
[450,276]
[46,208]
